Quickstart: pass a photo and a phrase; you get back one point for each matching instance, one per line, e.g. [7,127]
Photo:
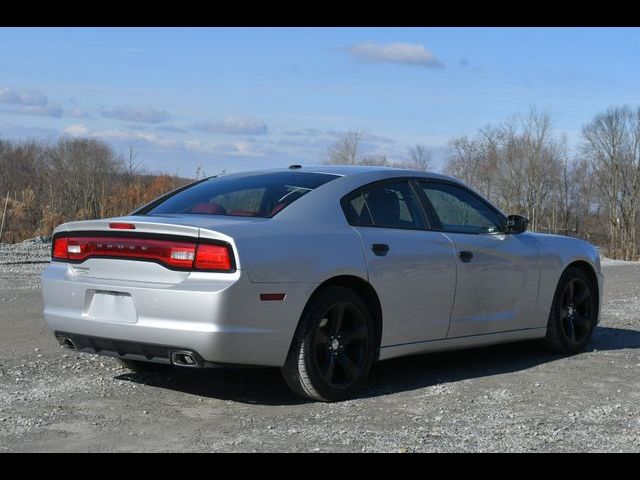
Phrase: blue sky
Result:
[240,98]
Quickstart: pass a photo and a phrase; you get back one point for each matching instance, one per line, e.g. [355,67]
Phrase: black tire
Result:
[574,313]
[333,348]
[141,366]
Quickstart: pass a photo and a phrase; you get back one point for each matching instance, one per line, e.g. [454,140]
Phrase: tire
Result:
[141,366]
[333,348]
[572,318]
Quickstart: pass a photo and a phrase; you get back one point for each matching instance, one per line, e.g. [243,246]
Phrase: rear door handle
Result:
[465,256]
[380,249]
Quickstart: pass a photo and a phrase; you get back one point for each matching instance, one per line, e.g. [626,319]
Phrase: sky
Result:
[243,98]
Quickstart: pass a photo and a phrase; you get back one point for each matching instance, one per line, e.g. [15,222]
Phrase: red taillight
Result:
[60,248]
[212,257]
[174,254]
[122,226]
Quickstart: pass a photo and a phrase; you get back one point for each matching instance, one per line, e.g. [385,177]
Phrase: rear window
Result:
[260,195]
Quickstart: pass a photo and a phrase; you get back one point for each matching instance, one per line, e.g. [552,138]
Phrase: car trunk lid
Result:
[147,239]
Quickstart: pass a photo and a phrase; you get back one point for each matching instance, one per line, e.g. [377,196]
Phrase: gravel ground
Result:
[505,398]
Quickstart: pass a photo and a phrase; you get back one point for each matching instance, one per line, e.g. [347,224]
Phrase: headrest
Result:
[384,206]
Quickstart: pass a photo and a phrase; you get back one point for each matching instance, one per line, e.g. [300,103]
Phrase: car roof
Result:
[348,171]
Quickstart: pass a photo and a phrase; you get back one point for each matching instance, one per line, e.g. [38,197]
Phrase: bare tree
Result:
[612,144]
[346,150]
[420,158]
[72,179]
[516,164]
[374,160]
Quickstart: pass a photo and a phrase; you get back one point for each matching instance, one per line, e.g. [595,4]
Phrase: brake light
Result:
[212,257]
[183,255]
[122,226]
[60,248]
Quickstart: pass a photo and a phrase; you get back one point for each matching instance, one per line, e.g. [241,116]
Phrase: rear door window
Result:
[390,205]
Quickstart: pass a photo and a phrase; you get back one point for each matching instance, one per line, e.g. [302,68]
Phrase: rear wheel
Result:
[141,366]
[573,314]
[333,348]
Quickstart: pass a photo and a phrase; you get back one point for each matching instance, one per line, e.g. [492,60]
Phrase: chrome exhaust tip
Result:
[183,358]
[66,343]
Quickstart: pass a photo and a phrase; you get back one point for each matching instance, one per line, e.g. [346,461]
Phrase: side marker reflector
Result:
[267,297]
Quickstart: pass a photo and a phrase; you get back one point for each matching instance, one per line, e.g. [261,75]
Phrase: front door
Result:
[497,273]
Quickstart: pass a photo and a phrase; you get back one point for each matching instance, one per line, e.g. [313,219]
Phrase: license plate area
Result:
[110,306]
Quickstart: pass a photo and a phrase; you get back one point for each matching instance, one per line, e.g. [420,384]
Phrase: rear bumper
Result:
[162,354]
[218,316]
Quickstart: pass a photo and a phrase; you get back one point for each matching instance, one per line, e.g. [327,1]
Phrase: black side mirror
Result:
[516,224]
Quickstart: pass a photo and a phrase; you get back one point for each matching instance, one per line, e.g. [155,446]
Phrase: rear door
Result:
[411,268]
[497,273]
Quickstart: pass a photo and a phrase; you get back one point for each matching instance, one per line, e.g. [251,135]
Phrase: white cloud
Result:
[140,136]
[77,129]
[170,128]
[136,114]
[33,102]
[41,110]
[403,53]
[22,97]
[233,149]
[134,136]
[233,125]
[76,113]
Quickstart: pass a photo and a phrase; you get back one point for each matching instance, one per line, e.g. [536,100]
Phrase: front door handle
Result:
[380,249]
[465,256]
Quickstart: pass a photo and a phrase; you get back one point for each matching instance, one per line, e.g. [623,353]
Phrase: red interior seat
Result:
[211,208]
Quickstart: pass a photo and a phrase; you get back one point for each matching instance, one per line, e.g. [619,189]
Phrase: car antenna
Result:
[295,166]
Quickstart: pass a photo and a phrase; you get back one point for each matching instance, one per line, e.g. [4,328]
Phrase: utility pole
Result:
[4,214]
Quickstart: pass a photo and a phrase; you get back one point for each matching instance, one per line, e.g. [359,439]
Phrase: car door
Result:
[497,273]
[411,268]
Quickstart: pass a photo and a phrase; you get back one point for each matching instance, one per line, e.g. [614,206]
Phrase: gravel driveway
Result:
[506,398]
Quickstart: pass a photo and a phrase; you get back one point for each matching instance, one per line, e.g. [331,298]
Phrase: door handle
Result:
[380,249]
[465,256]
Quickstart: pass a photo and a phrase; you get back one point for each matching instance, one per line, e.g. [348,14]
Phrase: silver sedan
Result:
[319,271]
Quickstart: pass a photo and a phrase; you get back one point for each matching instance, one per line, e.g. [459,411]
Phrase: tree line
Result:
[524,167]
[45,184]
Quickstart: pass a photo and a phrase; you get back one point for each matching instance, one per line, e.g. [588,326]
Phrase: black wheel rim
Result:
[341,344]
[576,310]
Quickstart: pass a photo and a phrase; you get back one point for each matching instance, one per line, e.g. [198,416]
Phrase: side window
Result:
[391,205]
[357,212]
[461,212]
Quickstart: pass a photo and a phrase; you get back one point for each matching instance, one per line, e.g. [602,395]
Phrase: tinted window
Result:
[357,211]
[259,195]
[460,211]
[390,205]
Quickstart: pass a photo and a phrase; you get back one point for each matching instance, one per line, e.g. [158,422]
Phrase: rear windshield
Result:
[261,195]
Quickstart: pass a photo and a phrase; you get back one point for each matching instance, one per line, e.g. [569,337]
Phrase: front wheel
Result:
[574,313]
[333,348]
